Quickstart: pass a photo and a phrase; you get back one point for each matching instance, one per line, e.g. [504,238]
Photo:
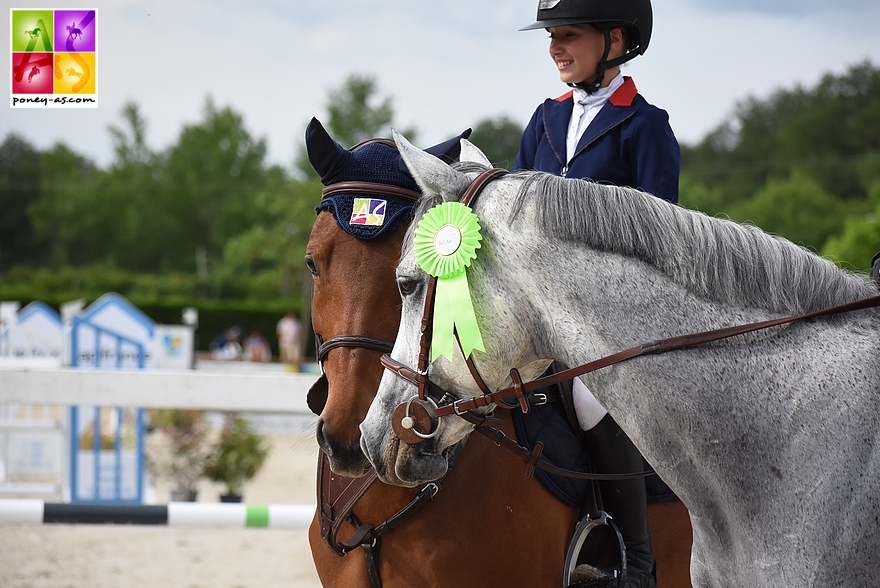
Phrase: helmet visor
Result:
[559,22]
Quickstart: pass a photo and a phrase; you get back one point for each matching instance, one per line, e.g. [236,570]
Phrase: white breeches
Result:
[589,411]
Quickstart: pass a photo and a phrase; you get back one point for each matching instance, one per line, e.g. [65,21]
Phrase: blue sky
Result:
[446,65]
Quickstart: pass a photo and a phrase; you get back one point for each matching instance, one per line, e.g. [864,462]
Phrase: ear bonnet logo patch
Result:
[368,211]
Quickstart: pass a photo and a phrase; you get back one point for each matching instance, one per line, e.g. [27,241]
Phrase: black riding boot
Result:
[624,500]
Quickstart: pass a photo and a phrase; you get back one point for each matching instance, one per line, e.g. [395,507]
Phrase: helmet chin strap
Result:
[604,64]
[594,86]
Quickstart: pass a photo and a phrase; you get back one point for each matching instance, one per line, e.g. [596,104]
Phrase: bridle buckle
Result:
[538,399]
[458,403]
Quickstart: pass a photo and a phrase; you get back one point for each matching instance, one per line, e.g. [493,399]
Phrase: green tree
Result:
[499,139]
[214,172]
[355,115]
[19,189]
[868,169]
[859,240]
[270,253]
[824,131]
[129,142]
[797,208]
[696,195]
[116,217]
[68,218]
[856,245]
[147,234]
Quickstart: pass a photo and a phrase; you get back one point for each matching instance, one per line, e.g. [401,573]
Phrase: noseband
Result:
[360,341]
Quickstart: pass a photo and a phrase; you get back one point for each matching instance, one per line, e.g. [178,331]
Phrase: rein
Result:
[412,415]
[520,389]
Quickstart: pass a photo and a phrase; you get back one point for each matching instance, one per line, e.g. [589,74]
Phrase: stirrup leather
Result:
[596,556]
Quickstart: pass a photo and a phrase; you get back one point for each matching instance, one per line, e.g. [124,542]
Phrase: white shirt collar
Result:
[600,95]
[584,110]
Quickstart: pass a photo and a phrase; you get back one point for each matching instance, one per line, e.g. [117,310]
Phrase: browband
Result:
[371,189]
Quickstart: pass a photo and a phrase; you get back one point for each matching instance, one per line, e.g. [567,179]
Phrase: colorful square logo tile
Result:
[75,30]
[368,211]
[53,58]
[74,73]
[32,30]
[32,73]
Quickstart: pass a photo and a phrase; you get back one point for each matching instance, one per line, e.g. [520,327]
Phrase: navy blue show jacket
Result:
[629,143]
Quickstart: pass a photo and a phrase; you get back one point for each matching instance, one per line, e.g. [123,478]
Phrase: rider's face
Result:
[576,51]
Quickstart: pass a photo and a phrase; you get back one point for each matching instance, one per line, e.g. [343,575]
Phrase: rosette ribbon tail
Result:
[445,243]
[454,312]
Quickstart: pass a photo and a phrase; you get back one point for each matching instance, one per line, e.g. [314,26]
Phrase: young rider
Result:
[604,130]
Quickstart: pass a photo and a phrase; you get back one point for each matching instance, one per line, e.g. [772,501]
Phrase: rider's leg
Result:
[624,500]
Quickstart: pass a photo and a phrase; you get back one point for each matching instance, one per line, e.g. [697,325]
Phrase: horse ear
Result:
[447,151]
[473,154]
[326,155]
[429,172]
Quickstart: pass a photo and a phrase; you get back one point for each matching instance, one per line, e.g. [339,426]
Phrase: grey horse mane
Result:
[729,262]
[726,261]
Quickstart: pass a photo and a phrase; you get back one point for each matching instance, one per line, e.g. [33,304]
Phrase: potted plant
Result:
[177,445]
[237,457]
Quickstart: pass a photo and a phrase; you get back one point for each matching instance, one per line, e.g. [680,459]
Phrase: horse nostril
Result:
[319,434]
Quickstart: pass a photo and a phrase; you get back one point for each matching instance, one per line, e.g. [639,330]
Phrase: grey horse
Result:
[770,439]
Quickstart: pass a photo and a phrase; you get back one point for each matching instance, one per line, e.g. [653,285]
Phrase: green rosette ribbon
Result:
[445,243]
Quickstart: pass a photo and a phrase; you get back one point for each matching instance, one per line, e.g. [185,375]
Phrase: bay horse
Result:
[516,533]
[769,437]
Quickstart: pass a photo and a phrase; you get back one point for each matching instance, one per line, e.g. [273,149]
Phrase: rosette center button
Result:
[448,240]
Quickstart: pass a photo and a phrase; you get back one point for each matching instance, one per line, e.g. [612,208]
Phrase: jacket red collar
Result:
[622,97]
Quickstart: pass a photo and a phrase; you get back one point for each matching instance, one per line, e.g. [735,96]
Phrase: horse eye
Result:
[310,263]
[406,286]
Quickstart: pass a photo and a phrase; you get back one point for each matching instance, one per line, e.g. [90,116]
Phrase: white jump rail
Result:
[247,391]
[174,514]
[190,389]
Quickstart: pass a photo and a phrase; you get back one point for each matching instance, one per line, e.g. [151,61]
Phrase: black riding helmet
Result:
[634,16]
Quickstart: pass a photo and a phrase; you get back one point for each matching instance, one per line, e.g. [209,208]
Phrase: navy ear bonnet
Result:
[367,212]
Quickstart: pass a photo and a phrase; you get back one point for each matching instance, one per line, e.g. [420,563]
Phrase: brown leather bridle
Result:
[406,424]
[338,495]
[317,395]
[443,404]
